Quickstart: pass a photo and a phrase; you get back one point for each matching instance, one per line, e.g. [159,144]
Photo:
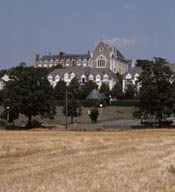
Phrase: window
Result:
[101,62]
[91,77]
[57,78]
[79,62]
[73,63]
[66,76]
[72,75]
[101,49]
[105,77]
[84,62]
[128,76]
[98,78]
[83,79]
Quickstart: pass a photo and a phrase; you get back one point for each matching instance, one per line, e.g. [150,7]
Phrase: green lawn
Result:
[111,112]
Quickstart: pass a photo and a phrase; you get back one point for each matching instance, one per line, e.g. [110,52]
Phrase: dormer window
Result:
[50,78]
[66,76]
[91,77]
[128,76]
[72,75]
[136,76]
[83,79]
[57,78]
[105,77]
[98,77]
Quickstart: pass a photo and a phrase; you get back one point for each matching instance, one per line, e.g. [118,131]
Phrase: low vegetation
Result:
[48,161]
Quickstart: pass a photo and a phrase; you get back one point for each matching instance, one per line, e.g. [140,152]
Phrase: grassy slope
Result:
[108,112]
[50,161]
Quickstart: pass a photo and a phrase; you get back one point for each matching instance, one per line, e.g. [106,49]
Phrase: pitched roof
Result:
[5,78]
[79,71]
[133,71]
[94,94]
[65,55]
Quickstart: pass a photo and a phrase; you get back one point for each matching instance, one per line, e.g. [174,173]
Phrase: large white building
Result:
[83,74]
[102,56]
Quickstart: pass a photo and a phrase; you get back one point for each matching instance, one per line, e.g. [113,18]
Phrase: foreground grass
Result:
[50,161]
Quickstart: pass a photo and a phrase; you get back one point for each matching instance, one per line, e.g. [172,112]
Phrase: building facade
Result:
[132,75]
[3,80]
[83,74]
[103,56]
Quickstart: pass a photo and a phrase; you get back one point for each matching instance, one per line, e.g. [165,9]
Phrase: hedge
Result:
[84,103]
[125,103]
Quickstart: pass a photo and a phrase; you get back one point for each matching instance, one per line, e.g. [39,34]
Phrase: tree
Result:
[60,90]
[131,91]
[87,88]
[105,89]
[117,91]
[156,92]
[74,89]
[74,109]
[94,114]
[29,93]
[143,63]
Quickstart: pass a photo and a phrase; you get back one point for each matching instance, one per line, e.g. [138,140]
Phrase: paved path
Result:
[125,123]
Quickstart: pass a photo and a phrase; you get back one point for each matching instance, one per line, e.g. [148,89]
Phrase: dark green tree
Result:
[156,92]
[87,88]
[117,92]
[60,90]
[131,91]
[73,109]
[29,93]
[143,62]
[94,114]
[105,89]
[74,89]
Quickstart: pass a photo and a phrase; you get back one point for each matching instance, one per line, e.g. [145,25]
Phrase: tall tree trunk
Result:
[72,118]
[30,121]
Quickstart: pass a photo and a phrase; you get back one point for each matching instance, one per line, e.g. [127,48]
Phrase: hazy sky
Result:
[139,28]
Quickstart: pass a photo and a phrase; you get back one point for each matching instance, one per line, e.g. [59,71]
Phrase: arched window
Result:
[101,61]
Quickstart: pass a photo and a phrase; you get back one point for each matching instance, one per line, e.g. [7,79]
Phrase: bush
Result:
[35,124]
[94,114]
[58,102]
[3,124]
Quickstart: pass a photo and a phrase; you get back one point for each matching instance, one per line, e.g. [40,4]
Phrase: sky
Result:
[140,29]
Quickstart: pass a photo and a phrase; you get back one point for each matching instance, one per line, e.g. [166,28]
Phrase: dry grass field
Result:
[55,161]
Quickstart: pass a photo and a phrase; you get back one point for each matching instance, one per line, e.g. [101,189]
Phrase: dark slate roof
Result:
[78,71]
[65,55]
[120,55]
[133,71]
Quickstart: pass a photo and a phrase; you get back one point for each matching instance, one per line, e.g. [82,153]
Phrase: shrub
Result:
[94,114]
[3,124]
[35,124]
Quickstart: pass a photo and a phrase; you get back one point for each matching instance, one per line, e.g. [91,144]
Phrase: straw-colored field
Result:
[53,161]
